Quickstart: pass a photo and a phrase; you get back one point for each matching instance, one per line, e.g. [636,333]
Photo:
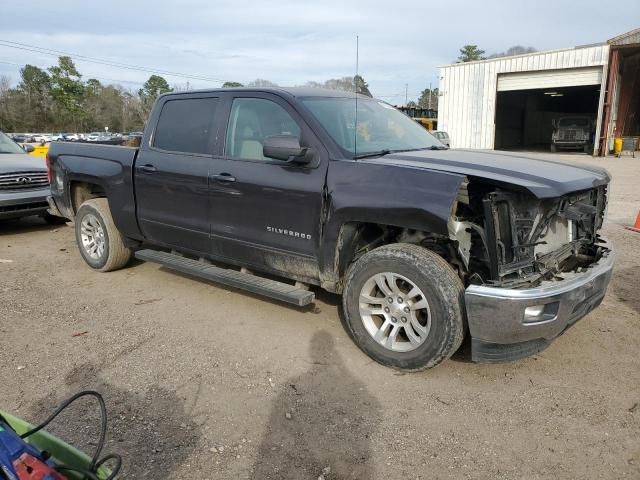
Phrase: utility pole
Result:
[406,94]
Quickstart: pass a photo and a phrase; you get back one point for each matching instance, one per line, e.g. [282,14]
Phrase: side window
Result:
[250,122]
[185,125]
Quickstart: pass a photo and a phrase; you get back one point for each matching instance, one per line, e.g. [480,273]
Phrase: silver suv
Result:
[572,133]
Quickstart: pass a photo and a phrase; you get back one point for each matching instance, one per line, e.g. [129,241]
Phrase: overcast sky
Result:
[292,42]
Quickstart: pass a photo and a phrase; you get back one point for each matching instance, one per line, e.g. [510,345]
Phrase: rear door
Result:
[266,212]
[171,172]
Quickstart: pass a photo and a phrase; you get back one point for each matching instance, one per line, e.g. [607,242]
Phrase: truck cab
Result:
[575,132]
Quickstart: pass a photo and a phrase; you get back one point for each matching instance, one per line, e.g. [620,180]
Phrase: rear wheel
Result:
[404,306]
[99,241]
[554,149]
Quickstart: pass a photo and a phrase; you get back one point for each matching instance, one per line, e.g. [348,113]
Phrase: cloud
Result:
[291,42]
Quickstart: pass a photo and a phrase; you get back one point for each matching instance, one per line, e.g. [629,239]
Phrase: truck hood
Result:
[543,178]
[20,162]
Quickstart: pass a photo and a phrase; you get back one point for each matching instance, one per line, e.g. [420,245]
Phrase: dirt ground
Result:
[205,382]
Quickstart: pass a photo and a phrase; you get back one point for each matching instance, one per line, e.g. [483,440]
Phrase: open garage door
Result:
[530,103]
[568,77]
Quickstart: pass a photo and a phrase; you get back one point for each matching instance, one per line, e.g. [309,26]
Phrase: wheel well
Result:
[83,191]
[358,238]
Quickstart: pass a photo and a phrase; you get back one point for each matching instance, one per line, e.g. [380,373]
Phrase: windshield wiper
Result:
[437,147]
[373,154]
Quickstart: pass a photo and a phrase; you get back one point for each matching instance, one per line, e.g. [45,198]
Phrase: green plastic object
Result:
[61,452]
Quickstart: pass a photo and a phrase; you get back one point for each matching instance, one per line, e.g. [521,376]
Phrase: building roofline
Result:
[541,52]
[623,36]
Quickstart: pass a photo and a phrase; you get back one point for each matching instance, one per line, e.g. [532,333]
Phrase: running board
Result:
[233,278]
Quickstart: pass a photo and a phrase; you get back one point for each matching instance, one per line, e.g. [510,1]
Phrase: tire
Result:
[94,221]
[587,149]
[554,149]
[437,329]
[53,220]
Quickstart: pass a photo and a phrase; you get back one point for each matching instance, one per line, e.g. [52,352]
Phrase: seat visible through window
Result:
[251,121]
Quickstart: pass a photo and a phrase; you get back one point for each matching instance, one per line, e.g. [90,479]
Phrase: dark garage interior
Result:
[524,117]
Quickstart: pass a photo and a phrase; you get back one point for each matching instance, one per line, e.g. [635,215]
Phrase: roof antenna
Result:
[355,88]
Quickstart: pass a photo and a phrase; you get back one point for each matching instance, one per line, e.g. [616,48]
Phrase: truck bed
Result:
[107,167]
[125,156]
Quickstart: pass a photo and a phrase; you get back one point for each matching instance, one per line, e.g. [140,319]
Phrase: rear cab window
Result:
[185,125]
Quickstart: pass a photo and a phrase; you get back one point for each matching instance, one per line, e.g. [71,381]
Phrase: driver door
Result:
[266,212]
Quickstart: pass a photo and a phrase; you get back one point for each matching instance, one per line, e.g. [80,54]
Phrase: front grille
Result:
[569,134]
[28,180]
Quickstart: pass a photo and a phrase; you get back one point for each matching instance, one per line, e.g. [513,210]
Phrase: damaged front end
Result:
[534,266]
[509,238]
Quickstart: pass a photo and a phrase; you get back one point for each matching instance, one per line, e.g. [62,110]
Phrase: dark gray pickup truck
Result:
[277,190]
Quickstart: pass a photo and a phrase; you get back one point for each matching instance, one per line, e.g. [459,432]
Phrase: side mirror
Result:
[285,147]
[554,124]
[28,148]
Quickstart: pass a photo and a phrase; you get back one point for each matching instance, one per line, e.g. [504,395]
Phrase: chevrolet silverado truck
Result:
[279,190]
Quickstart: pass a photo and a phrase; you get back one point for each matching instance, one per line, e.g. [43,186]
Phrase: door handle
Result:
[148,168]
[224,177]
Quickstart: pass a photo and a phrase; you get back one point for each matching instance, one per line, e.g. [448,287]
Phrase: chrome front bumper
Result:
[496,316]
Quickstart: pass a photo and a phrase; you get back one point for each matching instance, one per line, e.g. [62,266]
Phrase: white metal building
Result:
[508,102]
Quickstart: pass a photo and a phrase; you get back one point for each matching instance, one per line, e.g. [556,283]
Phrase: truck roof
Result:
[291,91]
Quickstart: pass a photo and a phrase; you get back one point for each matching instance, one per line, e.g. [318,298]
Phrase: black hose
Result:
[96,463]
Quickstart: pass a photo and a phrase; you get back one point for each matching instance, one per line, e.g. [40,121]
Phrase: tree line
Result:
[58,99]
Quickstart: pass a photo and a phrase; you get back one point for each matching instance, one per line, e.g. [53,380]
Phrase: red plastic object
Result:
[30,468]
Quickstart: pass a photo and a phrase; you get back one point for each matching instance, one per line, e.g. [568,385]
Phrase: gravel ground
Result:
[211,383]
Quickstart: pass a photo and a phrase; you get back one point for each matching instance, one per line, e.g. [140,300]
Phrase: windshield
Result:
[381,127]
[9,146]
[574,122]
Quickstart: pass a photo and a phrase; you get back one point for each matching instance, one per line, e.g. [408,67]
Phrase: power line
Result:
[99,61]
[88,76]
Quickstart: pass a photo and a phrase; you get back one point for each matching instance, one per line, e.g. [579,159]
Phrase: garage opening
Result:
[547,109]
[525,119]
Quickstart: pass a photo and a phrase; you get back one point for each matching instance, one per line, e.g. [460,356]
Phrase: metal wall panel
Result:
[466,108]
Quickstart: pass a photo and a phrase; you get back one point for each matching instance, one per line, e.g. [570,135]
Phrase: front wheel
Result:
[404,306]
[99,241]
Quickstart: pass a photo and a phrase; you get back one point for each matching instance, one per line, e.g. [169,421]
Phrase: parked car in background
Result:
[95,136]
[20,138]
[71,137]
[443,137]
[573,133]
[38,138]
[24,183]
